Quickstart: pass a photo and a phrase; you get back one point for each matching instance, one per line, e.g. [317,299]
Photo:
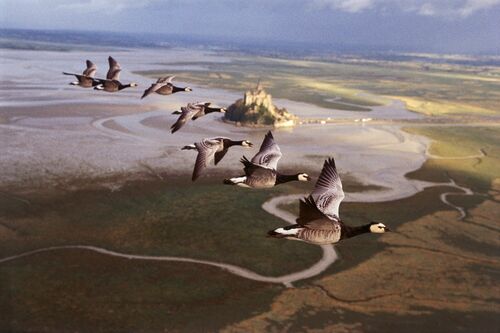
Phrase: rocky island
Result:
[256,109]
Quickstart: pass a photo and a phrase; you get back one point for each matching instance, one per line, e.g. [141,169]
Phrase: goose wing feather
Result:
[188,112]
[328,192]
[255,171]
[90,70]
[206,151]
[114,69]
[73,74]
[269,153]
[311,217]
[159,84]
[166,79]
[220,155]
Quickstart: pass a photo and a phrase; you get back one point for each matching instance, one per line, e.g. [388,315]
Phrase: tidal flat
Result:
[97,170]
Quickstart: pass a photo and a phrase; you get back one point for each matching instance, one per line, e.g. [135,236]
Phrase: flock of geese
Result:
[318,222]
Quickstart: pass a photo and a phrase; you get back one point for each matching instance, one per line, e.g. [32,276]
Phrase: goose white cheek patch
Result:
[377,228]
[303,177]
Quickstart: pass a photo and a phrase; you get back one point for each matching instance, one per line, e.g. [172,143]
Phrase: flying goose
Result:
[212,149]
[112,82]
[319,222]
[261,172]
[86,79]
[164,86]
[193,111]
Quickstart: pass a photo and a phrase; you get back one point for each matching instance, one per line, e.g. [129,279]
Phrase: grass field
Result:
[435,273]
[78,291]
[432,89]
[156,220]
[102,293]
[476,173]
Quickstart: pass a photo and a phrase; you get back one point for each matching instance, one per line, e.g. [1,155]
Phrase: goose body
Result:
[112,82]
[113,85]
[193,111]
[261,171]
[86,79]
[318,222]
[210,150]
[164,86]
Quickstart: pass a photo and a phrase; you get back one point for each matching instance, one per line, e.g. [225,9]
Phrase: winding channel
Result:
[271,206]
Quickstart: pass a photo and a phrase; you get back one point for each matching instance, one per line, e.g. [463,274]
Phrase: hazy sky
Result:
[434,25]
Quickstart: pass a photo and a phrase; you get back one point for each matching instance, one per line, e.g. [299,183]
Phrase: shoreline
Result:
[134,131]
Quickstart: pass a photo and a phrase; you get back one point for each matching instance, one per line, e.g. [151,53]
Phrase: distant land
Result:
[256,108]
[59,39]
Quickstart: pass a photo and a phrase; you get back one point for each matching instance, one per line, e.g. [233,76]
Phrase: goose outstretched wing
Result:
[269,153]
[114,69]
[312,217]
[160,83]
[90,70]
[166,79]
[187,113]
[328,193]
[206,151]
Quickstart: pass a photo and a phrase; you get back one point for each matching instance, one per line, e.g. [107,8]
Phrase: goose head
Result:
[303,177]
[188,89]
[378,228]
[177,112]
[133,84]
[246,143]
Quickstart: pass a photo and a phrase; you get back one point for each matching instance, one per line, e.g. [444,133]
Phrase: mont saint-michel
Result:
[256,108]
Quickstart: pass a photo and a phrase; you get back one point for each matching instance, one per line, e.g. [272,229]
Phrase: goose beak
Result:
[308,178]
[250,144]
[386,229]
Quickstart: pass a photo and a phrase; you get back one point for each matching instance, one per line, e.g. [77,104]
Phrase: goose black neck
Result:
[230,143]
[280,179]
[123,86]
[210,110]
[176,89]
[355,231]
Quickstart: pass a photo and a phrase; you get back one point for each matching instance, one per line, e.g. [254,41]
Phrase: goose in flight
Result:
[164,86]
[112,82]
[261,171]
[319,222]
[212,150]
[86,79]
[193,111]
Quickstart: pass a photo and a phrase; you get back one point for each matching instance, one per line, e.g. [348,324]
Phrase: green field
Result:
[201,221]
[434,272]
[432,89]
[477,173]
[102,293]
[79,291]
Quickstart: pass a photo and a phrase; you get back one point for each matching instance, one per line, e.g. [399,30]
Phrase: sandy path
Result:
[466,191]
[437,157]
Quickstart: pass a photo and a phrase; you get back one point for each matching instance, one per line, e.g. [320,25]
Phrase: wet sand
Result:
[54,130]
[53,133]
